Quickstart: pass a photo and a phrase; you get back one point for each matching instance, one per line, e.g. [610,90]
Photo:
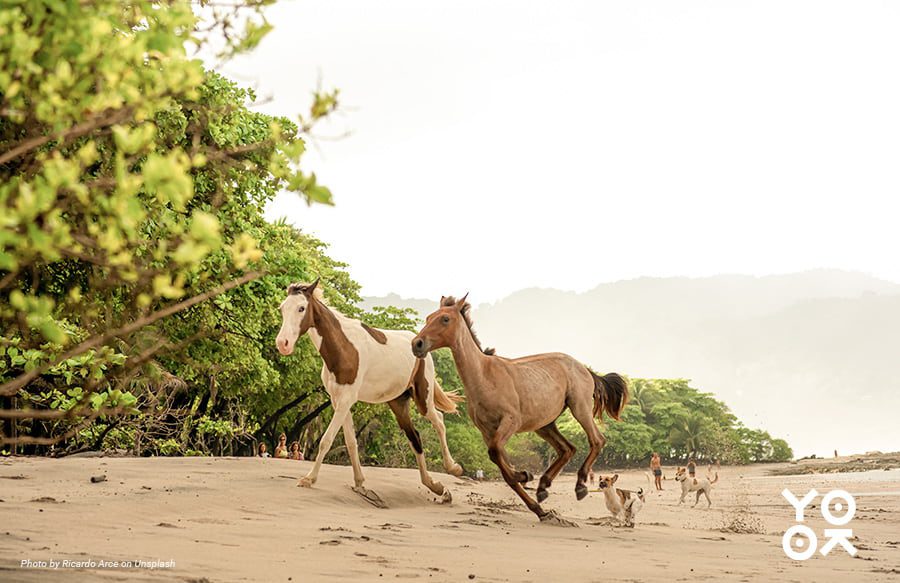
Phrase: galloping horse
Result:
[507,396]
[366,364]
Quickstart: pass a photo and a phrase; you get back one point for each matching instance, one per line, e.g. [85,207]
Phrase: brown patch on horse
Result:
[467,318]
[419,386]
[340,356]
[375,333]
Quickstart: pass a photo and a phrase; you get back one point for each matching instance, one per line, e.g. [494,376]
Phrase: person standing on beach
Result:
[296,454]
[656,468]
[261,451]
[692,468]
[281,449]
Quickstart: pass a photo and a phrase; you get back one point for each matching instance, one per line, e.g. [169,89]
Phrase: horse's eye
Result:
[445,319]
[302,308]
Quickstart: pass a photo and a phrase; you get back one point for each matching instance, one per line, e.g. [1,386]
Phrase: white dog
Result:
[698,485]
[623,504]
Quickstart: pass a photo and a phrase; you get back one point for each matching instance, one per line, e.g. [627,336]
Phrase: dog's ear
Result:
[614,478]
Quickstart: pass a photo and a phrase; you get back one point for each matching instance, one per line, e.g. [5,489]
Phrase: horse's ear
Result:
[311,287]
[443,299]
[461,302]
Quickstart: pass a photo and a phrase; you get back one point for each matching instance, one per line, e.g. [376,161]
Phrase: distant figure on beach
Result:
[692,468]
[656,468]
[296,454]
[591,477]
[714,463]
[281,450]
[261,451]
[479,474]
[835,453]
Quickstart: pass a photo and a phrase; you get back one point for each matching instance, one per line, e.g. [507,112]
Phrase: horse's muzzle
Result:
[420,347]
[284,346]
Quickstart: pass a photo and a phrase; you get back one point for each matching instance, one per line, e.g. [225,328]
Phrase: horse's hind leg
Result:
[400,407]
[582,410]
[564,452]
[436,418]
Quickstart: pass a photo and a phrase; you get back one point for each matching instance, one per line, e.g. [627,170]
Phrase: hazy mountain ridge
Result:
[783,351]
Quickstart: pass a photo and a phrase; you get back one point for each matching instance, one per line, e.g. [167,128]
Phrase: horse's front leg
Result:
[353,450]
[341,402]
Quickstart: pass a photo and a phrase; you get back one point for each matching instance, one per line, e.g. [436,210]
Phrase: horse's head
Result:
[441,327]
[296,314]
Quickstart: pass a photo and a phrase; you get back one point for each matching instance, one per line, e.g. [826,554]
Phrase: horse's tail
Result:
[446,401]
[610,394]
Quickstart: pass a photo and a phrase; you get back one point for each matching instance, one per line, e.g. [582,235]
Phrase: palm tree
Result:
[690,433]
[643,394]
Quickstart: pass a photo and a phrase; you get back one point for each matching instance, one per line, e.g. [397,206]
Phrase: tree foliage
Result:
[132,183]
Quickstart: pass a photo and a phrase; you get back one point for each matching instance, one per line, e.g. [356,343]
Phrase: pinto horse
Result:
[506,396]
[370,365]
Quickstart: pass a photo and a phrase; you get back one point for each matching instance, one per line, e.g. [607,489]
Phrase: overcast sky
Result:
[502,145]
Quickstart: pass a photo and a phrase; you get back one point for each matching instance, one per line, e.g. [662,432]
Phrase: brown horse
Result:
[507,396]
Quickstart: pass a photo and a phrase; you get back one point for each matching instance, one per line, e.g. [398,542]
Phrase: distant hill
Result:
[812,357]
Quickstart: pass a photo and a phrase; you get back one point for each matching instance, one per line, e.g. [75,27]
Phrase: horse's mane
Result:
[297,288]
[467,317]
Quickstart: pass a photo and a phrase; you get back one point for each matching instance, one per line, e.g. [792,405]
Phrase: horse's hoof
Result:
[542,495]
[306,482]
[528,477]
[554,519]
[369,496]
[446,497]
[456,470]
[581,491]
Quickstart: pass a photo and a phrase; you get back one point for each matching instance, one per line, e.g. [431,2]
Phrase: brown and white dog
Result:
[698,485]
[623,504]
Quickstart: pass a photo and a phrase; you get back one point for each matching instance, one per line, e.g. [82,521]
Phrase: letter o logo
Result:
[826,507]
[787,542]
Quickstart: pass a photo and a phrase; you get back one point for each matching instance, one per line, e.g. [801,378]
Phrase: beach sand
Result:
[244,519]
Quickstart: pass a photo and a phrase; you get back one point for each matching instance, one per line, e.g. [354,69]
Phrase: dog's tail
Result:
[716,480]
[610,394]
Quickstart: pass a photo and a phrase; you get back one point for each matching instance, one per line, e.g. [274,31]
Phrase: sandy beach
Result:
[244,519]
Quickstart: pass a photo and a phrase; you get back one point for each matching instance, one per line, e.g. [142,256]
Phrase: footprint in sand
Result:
[482,522]
[393,527]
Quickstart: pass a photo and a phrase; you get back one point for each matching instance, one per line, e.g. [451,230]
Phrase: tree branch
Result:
[26,146]
[13,386]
